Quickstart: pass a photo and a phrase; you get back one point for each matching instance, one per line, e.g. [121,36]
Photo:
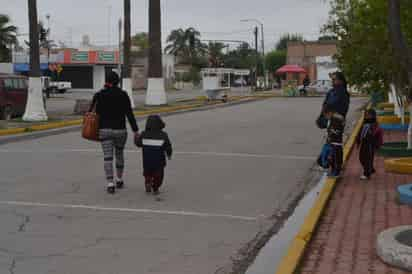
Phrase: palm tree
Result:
[8,35]
[186,44]
[35,110]
[156,94]
[215,52]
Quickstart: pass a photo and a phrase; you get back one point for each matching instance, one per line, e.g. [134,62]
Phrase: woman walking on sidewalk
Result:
[113,106]
[336,105]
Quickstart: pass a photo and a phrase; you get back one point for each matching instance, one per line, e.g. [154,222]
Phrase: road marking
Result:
[220,154]
[132,210]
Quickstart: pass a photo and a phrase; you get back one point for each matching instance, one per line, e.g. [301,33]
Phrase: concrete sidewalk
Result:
[358,211]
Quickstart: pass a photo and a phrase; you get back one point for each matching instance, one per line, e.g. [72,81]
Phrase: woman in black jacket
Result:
[113,106]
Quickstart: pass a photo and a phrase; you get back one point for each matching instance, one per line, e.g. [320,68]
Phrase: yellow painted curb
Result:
[392,119]
[297,248]
[399,165]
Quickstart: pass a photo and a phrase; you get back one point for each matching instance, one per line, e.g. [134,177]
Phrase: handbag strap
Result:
[93,106]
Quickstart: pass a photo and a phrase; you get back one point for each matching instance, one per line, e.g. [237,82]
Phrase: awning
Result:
[22,67]
[291,69]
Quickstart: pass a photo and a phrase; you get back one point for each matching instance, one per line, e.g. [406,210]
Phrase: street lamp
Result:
[263,44]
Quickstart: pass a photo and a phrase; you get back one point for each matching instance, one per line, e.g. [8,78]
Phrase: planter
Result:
[399,165]
[392,119]
[386,105]
[405,194]
[394,127]
[395,149]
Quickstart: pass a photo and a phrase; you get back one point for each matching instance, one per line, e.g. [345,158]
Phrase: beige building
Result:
[305,55]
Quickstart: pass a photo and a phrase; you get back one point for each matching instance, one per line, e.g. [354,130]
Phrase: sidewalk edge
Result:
[291,260]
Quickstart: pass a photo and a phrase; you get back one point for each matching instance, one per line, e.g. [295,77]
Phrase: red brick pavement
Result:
[358,211]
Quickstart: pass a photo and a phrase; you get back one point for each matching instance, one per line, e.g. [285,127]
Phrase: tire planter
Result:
[388,113]
[386,105]
[392,119]
[394,247]
[395,149]
[399,165]
[394,127]
[405,194]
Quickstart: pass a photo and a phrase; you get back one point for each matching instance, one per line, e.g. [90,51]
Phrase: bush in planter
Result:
[395,149]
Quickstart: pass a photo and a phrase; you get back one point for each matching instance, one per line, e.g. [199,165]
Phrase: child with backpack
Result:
[369,140]
[156,145]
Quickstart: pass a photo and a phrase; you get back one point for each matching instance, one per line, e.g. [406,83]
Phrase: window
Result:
[8,83]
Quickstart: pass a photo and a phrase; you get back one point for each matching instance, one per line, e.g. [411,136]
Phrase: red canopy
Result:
[291,69]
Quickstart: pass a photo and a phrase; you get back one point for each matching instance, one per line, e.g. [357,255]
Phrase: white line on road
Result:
[220,154]
[132,210]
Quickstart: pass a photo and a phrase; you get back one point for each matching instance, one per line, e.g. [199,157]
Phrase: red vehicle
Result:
[13,95]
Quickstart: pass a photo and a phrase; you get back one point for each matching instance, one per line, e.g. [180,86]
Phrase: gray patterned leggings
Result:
[113,143]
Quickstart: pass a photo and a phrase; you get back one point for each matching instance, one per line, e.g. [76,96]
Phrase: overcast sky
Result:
[215,19]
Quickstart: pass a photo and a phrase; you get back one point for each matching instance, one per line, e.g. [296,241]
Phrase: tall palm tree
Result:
[156,94]
[7,37]
[186,44]
[215,52]
[127,73]
[35,110]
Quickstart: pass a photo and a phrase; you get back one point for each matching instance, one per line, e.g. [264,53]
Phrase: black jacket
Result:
[113,106]
[155,143]
[337,100]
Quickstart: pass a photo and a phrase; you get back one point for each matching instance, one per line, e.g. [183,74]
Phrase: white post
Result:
[35,110]
[410,127]
[128,87]
[395,99]
[390,97]
[156,93]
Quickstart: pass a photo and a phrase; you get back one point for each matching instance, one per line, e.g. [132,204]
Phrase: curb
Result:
[65,126]
[291,260]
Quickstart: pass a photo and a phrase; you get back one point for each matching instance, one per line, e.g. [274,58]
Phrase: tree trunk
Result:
[410,127]
[127,81]
[155,40]
[35,109]
[156,94]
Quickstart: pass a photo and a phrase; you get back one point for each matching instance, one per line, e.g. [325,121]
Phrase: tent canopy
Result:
[290,69]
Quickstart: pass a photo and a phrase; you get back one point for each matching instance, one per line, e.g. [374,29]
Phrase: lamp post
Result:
[263,45]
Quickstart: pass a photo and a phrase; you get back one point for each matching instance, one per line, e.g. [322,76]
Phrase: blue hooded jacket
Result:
[337,100]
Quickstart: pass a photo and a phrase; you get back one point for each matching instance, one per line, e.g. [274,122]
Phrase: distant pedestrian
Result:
[306,83]
[156,146]
[369,140]
[336,106]
[113,106]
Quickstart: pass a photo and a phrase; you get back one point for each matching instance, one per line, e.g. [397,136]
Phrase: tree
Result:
[282,44]
[127,72]
[35,110]
[8,37]
[403,52]
[186,45]
[327,38]
[141,40]
[215,53]
[275,59]
[244,57]
[156,87]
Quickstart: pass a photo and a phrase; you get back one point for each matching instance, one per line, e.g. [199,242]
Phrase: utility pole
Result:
[256,32]
[263,56]
[127,81]
[119,65]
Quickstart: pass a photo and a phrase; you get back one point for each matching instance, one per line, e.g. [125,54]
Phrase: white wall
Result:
[325,65]
[99,77]
[6,68]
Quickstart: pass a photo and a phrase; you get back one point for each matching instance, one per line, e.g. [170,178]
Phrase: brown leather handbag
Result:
[90,129]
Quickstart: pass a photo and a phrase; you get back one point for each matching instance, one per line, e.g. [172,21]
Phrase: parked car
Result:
[13,95]
[318,86]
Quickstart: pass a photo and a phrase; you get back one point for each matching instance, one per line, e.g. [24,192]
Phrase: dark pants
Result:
[366,157]
[154,179]
[336,160]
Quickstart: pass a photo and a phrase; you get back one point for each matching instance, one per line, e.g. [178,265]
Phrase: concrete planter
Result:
[394,127]
[399,165]
[394,247]
[385,105]
[392,119]
[405,194]
[395,149]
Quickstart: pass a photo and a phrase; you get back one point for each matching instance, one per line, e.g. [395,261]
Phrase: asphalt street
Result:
[233,169]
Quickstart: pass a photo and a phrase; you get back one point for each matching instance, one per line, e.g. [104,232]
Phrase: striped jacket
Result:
[156,145]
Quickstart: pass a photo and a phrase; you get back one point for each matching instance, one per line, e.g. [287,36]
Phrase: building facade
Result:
[310,55]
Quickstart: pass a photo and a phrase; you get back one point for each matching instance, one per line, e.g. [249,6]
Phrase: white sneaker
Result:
[364,178]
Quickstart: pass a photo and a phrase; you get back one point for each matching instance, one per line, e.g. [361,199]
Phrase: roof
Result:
[291,69]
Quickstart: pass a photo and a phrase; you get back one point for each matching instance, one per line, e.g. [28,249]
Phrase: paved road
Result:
[233,169]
